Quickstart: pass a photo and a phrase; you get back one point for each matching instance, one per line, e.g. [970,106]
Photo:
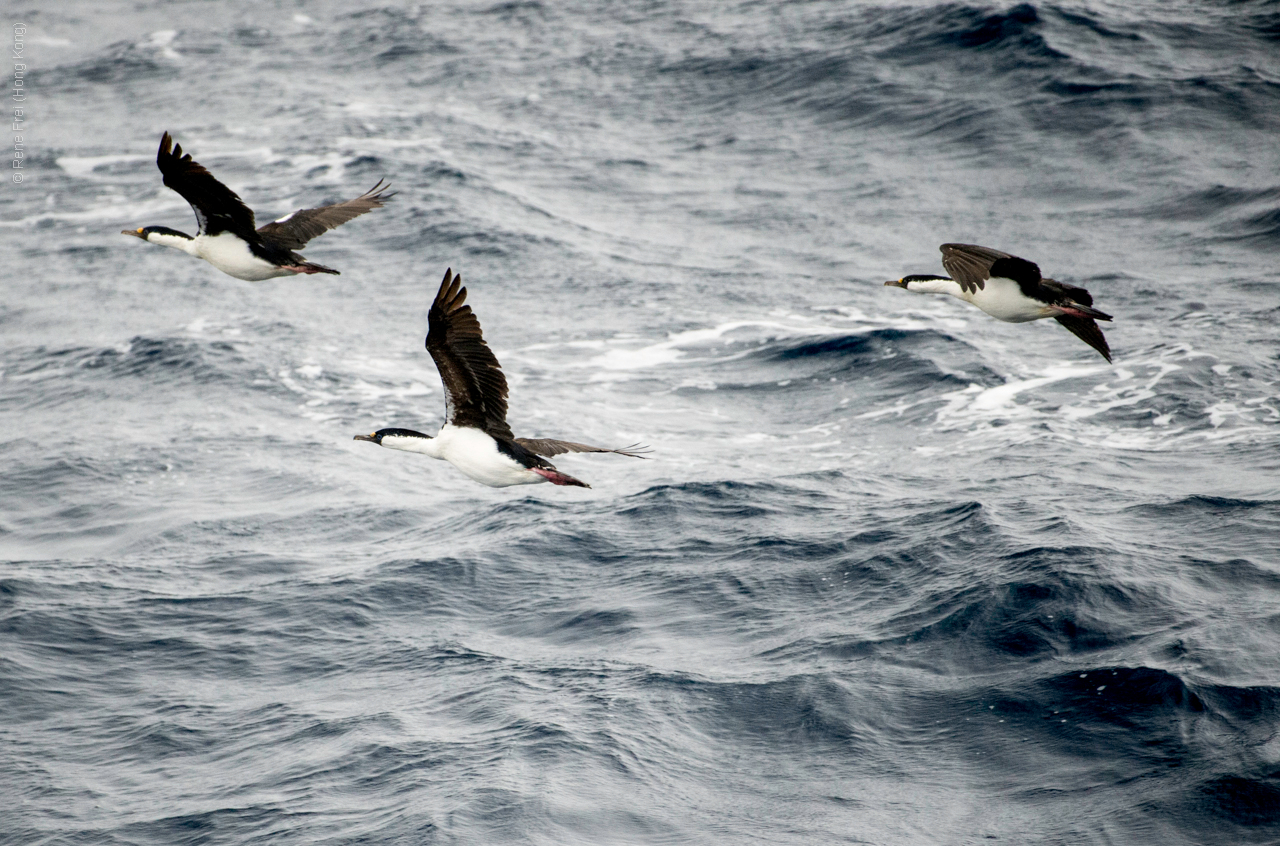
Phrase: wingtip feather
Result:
[1086,330]
[378,193]
[448,290]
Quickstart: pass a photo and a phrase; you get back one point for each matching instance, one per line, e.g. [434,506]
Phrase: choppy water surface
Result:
[896,574]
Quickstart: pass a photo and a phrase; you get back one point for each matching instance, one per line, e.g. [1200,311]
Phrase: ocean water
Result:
[896,573]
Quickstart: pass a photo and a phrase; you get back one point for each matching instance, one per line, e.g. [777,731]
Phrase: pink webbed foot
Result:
[555,477]
[308,268]
[1078,310]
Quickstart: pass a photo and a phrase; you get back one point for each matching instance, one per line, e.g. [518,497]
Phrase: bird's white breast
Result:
[232,256]
[477,455]
[1003,299]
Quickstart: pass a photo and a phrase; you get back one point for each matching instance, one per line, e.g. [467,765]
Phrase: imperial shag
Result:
[227,238]
[475,436]
[1011,289]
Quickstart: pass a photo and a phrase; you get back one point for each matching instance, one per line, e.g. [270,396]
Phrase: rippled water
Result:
[896,574]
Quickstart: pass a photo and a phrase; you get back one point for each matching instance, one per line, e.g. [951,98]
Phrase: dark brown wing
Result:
[475,391]
[293,231]
[549,447]
[1086,330]
[217,207]
[972,265]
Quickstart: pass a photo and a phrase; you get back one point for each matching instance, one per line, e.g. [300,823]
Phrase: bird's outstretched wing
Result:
[217,207]
[972,265]
[293,231]
[475,391]
[1086,330]
[550,447]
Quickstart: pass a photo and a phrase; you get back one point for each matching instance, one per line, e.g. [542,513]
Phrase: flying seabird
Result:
[475,436]
[1011,289]
[227,238]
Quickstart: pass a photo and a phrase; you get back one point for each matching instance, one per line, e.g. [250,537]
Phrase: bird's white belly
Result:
[477,455]
[233,257]
[1003,299]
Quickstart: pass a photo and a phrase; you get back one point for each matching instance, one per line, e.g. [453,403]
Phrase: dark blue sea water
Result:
[897,573]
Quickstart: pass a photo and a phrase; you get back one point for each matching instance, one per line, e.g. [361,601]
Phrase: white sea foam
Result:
[332,163]
[1076,400]
[722,342]
[350,142]
[161,40]
[83,167]
[116,210]
[1023,412]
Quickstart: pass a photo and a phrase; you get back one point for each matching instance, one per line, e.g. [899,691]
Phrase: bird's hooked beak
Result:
[897,283]
[373,439]
[137,233]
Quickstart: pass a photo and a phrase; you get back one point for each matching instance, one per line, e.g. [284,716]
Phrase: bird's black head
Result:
[377,436]
[143,231]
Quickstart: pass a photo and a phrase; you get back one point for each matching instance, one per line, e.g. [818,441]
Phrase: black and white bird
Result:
[1011,289]
[475,436]
[226,237]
